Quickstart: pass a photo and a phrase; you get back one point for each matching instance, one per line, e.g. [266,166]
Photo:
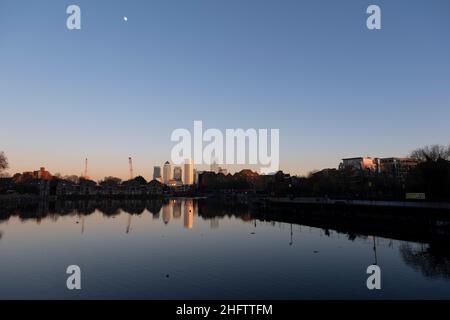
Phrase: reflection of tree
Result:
[433,261]
[154,206]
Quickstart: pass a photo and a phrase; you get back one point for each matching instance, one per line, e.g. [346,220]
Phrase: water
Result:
[188,250]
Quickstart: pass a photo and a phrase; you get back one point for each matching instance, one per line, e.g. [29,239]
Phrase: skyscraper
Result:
[157,173]
[177,173]
[167,172]
[188,178]
[214,166]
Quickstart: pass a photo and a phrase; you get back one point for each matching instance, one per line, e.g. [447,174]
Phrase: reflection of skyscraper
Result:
[176,209]
[166,213]
[214,224]
[177,174]
[167,172]
[188,172]
[157,173]
[188,214]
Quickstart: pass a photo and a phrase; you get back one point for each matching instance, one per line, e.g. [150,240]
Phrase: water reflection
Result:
[188,214]
[432,260]
[423,249]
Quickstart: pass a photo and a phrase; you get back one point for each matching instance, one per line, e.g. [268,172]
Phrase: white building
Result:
[167,172]
[188,176]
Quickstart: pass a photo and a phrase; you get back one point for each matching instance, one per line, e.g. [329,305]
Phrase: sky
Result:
[311,69]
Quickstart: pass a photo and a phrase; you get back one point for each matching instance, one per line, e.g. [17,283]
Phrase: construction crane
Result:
[130,162]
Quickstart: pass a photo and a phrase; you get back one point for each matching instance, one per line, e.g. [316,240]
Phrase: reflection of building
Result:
[177,174]
[214,224]
[176,209]
[223,171]
[166,213]
[167,172]
[188,214]
[157,173]
[65,188]
[188,178]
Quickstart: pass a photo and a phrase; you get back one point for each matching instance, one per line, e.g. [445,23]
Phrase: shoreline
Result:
[261,201]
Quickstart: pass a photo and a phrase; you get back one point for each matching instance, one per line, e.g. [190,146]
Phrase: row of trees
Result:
[431,176]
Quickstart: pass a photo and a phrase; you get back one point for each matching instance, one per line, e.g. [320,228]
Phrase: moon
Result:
[125,18]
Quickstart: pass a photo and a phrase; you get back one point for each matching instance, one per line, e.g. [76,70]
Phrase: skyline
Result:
[119,88]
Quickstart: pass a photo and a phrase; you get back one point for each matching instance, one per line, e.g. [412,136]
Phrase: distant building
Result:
[174,183]
[397,167]
[188,177]
[167,173]
[40,174]
[177,174]
[360,163]
[197,174]
[157,173]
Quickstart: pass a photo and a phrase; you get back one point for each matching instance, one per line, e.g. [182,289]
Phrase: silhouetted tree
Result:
[433,261]
[72,178]
[432,174]
[111,181]
[431,153]
[3,161]
[431,177]
[140,180]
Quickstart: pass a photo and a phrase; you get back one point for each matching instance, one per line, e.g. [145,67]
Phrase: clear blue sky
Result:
[310,68]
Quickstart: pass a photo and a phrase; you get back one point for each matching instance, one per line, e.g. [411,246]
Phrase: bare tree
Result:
[3,161]
[72,178]
[112,181]
[431,153]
